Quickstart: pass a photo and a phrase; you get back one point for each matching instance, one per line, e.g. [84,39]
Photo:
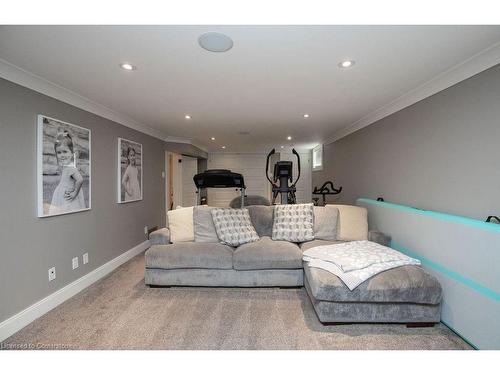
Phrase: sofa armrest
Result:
[160,237]
[379,237]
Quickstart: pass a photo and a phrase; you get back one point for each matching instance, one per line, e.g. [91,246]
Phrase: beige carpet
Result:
[120,312]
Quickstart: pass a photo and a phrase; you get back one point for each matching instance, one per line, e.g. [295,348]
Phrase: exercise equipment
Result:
[326,189]
[219,178]
[282,176]
[493,219]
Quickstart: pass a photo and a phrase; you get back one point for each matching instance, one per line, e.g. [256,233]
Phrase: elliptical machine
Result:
[282,174]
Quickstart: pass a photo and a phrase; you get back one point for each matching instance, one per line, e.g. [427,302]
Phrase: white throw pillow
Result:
[353,222]
[293,222]
[180,223]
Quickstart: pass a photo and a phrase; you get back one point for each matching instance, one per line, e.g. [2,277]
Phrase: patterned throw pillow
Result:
[233,226]
[293,222]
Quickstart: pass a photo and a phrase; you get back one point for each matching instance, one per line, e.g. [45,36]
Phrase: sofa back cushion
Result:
[325,222]
[204,228]
[353,222]
[293,222]
[180,222]
[233,226]
[262,219]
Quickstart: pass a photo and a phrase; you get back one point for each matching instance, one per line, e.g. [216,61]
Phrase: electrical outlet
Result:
[85,258]
[162,174]
[75,262]
[146,229]
[52,273]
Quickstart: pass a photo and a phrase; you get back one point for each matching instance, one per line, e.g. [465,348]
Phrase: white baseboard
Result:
[13,324]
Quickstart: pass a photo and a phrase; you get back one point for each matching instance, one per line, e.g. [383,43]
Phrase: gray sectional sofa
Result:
[262,263]
[405,295]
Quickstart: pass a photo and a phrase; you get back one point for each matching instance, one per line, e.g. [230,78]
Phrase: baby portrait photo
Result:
[63,167]
[129,171]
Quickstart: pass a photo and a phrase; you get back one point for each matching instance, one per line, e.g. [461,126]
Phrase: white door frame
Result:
[177,180]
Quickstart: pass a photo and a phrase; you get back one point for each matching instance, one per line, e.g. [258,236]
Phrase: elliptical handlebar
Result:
[267,166]
[298,165]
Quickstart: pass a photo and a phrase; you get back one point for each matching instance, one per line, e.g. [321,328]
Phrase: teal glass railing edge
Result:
[485,291]
[453,275]
[435,214]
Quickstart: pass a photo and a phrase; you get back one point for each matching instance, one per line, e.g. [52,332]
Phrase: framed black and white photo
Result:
[63,167]
[129,171]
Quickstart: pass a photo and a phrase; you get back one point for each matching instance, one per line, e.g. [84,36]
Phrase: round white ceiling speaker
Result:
[215,42]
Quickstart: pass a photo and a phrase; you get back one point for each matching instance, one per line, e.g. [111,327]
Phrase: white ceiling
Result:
[263,85]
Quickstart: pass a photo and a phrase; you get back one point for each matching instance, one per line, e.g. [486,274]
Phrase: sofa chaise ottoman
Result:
[405,294]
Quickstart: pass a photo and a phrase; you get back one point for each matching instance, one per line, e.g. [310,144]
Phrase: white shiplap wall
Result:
[253,167]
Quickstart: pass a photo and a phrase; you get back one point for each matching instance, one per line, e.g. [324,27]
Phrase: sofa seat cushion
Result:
[407,284]
[310,244]
[190,255]
[267,254]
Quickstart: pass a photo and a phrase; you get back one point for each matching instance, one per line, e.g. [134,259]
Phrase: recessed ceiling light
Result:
[187,117]
[212,138]
[282,146]
[127,66]
[215,42]
[306,115]
[223,147]
[289,137]
[346,63]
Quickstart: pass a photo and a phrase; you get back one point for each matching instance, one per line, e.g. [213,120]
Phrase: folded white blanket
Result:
[355,262]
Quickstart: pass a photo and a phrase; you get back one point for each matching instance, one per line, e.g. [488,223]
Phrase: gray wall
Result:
[442,153]
[31,245]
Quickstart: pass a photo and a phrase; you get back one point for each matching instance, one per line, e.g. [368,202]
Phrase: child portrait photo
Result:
[129,171]
[63,167]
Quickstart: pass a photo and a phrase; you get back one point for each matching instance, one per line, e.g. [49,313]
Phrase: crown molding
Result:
[200,146]
[27,79]
[177,139]
[479,62]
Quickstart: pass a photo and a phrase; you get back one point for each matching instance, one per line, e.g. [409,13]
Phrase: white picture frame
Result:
[130,177]
[64,173]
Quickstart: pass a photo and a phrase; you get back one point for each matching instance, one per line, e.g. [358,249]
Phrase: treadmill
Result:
[217,179]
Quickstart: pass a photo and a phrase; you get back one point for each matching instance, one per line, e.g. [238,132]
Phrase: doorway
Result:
[180,189]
